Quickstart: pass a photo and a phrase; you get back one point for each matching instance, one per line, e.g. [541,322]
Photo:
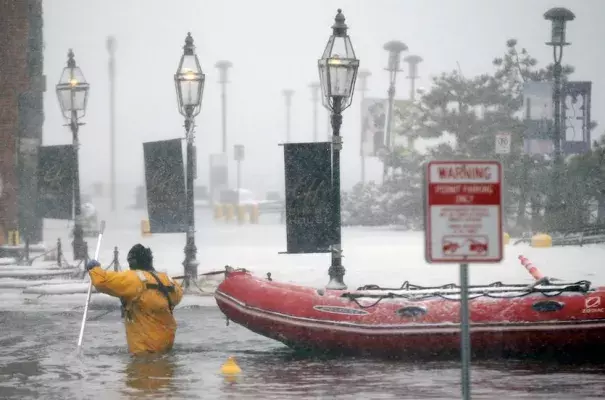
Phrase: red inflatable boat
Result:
[545,317]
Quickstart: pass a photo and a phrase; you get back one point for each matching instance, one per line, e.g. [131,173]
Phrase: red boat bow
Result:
[505,318]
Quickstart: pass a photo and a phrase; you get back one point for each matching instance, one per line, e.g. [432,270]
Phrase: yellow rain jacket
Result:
[150,325]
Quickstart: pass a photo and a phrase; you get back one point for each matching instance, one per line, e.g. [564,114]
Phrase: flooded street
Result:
[38,361]
[39,335]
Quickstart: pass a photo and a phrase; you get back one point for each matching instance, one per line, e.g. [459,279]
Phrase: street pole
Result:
[239,178]
[465,336]
[72,93]
[558,17]
[338,95]
[79,246]
[111,48]
[412,61]
[336,271]
[288,93]
[363,76]
[394,49]
[190,264]
[223,67]
[189,83]
[315,88]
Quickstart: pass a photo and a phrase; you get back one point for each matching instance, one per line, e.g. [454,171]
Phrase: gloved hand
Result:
[92,264]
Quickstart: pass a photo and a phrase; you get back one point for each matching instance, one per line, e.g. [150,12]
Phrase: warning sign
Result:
[463,211]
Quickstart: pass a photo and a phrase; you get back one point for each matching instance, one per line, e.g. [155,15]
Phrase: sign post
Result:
[238,156]
[463,225]
[503,142]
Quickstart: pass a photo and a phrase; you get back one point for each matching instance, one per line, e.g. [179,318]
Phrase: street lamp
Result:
[394,48]
[189,82]
[223,68]
[288,93]
[111,66]
[363,88]
[315,86]
[72,92]
[337,73]
[412,61]
[558,18]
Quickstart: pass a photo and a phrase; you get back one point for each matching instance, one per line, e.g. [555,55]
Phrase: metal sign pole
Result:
[465,337]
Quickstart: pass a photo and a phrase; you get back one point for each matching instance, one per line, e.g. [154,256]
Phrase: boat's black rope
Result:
[582,286]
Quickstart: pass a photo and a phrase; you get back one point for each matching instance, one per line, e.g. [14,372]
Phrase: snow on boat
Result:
[544,317]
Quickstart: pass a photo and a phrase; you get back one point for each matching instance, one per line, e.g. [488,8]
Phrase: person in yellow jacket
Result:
[148,299]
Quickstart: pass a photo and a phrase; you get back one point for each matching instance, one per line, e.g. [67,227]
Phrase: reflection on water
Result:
[151,375]
[38,360]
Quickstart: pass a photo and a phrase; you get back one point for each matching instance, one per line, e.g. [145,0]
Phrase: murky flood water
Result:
[38,338]
[38,360]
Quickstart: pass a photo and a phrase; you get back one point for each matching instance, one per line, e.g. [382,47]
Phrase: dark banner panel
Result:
[56,168]
[165,182]
[309,200]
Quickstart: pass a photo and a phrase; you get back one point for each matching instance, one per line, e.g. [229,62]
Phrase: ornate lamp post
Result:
[394,48]
[558,18]
[72,92]
[189,81]
[337,73]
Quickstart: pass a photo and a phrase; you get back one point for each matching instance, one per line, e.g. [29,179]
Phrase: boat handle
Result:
[411,311]
[547,306]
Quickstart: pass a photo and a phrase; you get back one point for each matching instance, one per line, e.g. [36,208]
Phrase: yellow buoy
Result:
[230,367]
[541,240]
[505,238]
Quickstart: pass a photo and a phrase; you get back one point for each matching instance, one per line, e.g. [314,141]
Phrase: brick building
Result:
[22,85]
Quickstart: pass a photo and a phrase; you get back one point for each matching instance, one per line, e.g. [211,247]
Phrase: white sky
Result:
[274,45]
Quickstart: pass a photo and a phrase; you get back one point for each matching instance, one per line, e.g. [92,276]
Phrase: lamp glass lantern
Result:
[72,90]
[338,66]
[558,17]
[189,81]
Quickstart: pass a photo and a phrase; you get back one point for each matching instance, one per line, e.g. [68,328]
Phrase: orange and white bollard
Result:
[531,268]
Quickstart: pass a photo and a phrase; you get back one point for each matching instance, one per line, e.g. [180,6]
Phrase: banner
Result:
[575,116]
[56,170]
[309,201]
[165,181]
[575,113]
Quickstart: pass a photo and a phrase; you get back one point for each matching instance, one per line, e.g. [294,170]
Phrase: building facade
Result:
[22,84]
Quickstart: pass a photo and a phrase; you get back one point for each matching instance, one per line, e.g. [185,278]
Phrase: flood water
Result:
[38,338]
[38,360]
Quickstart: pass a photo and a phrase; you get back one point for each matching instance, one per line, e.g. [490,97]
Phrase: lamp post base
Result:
[336,273]
[190,264]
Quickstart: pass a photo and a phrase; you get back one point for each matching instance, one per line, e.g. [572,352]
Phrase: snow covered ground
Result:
[371,256]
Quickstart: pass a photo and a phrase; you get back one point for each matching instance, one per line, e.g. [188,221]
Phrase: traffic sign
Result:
[503,142]
[463,212]
[238,152]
